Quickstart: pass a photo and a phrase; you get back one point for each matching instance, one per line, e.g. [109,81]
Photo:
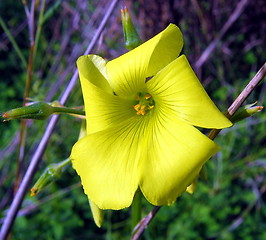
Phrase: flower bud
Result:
[38,110]
[247,111]
[50,174]
[131,36]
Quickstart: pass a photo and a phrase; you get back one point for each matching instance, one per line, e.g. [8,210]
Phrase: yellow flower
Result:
[141,109]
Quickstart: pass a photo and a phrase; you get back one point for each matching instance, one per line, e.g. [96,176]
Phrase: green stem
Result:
[13,42]
[39,27]
[65,162]
[68,110]
[109,225]
[136,209]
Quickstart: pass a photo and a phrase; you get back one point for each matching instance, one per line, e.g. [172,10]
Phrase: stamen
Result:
[145,103]
[137,107]
[142,110]
[147,96]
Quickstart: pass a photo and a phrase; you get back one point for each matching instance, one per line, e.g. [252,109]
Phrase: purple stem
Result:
[23,188]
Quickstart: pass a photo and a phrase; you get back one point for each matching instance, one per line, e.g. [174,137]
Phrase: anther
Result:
[145,103]
[147,96]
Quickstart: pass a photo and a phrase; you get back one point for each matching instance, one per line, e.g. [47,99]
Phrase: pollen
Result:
[145,103]
[33,192]
[137,107]
[147,96]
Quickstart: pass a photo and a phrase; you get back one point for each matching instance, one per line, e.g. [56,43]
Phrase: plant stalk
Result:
[136,209]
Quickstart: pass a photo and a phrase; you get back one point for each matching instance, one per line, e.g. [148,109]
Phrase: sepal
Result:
[245,112]
[131,36]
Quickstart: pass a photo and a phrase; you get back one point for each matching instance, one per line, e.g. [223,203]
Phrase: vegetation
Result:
[229,205]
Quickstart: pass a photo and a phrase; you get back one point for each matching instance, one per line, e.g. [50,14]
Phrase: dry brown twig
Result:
[144,222]
[234,16]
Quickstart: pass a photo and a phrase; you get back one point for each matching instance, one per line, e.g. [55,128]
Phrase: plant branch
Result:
[23,126]
[68,110]
[136,209]
[24,2]
[13,42]
[234,16]
[242,97]
[23,123]
[17,201]
[39,27]
[144,222]
[139,229]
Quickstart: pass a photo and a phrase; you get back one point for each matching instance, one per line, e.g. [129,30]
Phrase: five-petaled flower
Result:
[141,109]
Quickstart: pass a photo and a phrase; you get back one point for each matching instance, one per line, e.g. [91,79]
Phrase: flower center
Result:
[145,103]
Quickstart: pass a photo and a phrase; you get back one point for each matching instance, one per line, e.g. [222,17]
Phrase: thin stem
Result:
[65,162]
[29,208]
[13,42]
[21,151]
[39,27]
[242,97]
[23,123]
[68,110]
[23,188]
[142,225]
[136,209]
[31,22]
[29,73]
[26,8]
[233,17]
[247,90]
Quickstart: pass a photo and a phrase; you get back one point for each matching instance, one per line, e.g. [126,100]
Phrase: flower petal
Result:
[127,74]
[103,109]
[107,163]
[97,214]
[178,89]
[92,68]
[174,157]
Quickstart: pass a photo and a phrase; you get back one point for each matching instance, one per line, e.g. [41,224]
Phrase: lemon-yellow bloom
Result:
[141,109]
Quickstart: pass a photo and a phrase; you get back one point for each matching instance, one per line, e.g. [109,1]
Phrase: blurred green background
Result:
[229,205]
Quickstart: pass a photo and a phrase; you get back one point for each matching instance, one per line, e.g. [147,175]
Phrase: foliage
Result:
[229,205]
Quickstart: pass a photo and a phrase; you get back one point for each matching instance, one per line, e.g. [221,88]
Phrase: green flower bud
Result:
[38,110]
[131,36]
[50,174]
[247,111]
